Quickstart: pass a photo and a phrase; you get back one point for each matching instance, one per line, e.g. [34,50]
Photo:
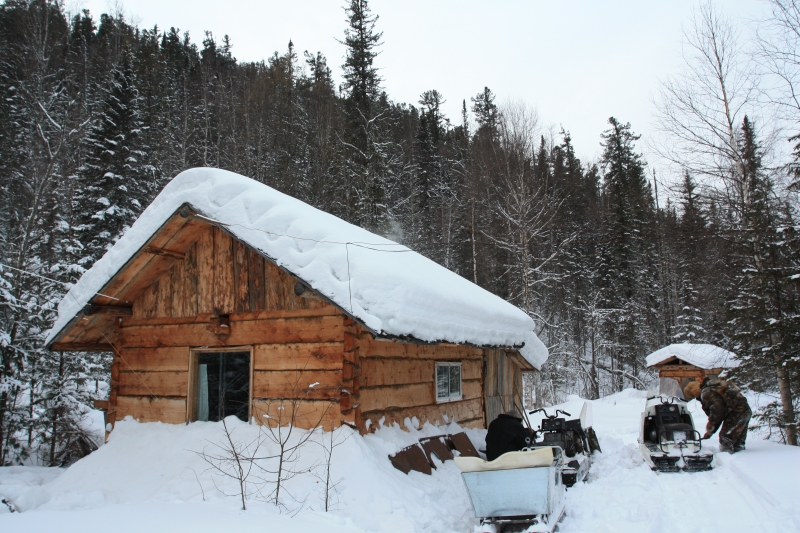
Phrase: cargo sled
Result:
[518,491]
[668,439]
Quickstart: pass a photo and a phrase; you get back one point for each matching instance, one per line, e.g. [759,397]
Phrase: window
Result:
[448,382]
[223,385]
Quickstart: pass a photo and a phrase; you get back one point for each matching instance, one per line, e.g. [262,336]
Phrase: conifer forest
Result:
[613,258]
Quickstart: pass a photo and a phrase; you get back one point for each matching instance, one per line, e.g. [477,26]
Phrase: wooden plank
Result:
[205,272]
[164,301]
[275,297]
[153,383]
[298,356]
[176,273]
[255,281]
[190,281]
[289,330]
[369,347]
[155,359]
[147,409]
[241,276]
[223,273]
[442,413]
[382,371]
[145,305]
[376,371]
[382,398]
[305,414]
[471,389]
[205,318]
[307,384]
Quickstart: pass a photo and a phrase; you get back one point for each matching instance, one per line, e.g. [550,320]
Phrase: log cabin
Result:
[685,362]
[227,297]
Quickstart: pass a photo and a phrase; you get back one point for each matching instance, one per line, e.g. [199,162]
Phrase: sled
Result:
[668,439]
[518,491]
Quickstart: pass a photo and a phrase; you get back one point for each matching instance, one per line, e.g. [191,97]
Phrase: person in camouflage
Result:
[725,405]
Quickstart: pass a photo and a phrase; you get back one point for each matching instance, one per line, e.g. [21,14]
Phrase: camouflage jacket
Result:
[721,398]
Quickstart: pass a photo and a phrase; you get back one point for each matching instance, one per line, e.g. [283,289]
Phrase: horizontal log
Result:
[681,374]
[308,329]
[369,347]
[81,347]
[377,371]
[155,359]
[148,409]
[298,356]
[101,405]
[204,318]
[443,413]
[153,383]
[168,253]
[305,414]
[382,398]
[114,310]
[294,384]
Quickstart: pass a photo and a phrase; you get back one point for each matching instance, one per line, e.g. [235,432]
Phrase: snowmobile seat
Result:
[668,431]
[668,414]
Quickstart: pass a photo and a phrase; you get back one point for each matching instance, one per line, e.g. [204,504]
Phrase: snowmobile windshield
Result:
[670,387]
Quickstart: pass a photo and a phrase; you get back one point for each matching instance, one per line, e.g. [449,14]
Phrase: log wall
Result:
[397,380]
[309,360]
[297,341]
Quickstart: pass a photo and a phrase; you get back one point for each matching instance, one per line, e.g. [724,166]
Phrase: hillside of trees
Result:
[97,115]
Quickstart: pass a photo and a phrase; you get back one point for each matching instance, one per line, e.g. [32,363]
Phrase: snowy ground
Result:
[144,480]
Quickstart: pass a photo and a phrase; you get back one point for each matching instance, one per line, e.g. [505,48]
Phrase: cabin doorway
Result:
[222,385]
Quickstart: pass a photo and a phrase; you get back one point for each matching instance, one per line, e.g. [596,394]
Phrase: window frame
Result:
[191,396]
[448,365]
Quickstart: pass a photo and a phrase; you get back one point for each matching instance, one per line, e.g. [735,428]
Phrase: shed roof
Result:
[706,356]
[387,287]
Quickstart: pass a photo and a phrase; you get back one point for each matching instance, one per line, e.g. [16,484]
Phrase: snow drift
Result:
[389,288]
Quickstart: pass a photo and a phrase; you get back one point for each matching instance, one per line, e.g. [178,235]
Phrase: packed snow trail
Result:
[143,481]
[751,491]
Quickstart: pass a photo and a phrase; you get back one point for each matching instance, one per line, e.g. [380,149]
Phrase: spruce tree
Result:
[765,308]
[627,255]
[115,179]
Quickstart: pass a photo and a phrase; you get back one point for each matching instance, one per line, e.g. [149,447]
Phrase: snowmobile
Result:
[575,437]
[667,437]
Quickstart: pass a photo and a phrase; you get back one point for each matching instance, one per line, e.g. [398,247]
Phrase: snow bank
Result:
[389,288]
[144,480]
[151,468]
[705,356]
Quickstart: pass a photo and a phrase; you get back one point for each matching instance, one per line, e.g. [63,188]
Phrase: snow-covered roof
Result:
[706,356]
[387,287]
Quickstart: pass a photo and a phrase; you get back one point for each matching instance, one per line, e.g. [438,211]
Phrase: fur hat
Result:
[692,390]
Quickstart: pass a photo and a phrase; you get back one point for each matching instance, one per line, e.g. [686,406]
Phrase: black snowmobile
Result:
[577,442]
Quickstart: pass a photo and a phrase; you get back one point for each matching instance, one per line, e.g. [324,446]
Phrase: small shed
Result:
[227,297]
[687,362]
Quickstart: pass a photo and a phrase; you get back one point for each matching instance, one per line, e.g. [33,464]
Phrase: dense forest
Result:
[97,115]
